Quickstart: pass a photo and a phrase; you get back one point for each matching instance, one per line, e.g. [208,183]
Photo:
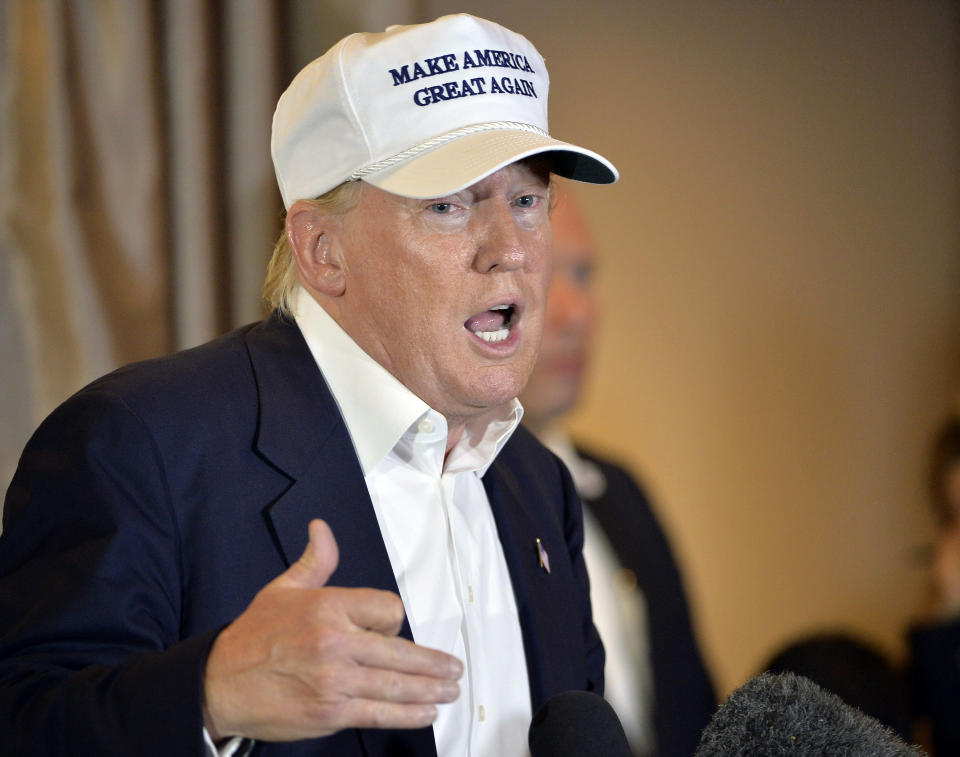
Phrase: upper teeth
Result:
[500,307]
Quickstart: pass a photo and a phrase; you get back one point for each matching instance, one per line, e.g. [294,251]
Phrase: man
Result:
[655,677]
[151,596]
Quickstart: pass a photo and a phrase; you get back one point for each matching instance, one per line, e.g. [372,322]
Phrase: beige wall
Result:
[781,286]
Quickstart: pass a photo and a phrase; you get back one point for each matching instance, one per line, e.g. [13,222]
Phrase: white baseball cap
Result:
[421,111]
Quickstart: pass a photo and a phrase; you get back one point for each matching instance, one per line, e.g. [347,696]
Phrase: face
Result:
[448,294]
[571,315]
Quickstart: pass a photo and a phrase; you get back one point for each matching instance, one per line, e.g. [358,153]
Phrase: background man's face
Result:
[571,316]
[449,294]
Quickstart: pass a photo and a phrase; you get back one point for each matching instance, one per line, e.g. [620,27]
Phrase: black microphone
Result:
[787,714]
[577,723]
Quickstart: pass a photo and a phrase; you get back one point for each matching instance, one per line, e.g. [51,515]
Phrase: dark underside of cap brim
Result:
[579,167]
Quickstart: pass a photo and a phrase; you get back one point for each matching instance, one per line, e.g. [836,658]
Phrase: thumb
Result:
[317,562]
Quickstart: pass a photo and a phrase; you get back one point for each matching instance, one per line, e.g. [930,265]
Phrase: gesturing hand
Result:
[306,659]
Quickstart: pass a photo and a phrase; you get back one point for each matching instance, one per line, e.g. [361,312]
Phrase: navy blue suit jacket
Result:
[684,699]
[149,509]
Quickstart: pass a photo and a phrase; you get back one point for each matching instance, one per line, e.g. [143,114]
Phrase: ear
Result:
[310,232]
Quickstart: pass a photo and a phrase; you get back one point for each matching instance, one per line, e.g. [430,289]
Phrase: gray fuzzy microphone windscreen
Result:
[789,715]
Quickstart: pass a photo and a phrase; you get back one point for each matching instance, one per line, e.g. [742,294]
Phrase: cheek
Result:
[556,298]
[542,257]
[425,311]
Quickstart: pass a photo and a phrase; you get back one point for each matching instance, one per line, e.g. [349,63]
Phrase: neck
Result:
[457,424]
[454,432]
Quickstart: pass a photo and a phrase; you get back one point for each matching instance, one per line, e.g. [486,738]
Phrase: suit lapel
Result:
[540,610]
[302,433]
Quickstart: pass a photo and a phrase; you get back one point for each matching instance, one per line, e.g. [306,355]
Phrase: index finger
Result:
[370,609]
[373,650]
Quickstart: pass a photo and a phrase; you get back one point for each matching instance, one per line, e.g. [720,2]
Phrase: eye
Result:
[582,274]
[441,207]
[526,201]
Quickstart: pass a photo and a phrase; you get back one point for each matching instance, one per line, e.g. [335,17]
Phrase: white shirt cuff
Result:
[229,749]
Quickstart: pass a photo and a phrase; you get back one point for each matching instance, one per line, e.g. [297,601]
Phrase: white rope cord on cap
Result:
[443,139]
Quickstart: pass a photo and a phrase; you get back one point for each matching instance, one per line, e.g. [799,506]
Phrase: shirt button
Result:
[425,426]
[481,713]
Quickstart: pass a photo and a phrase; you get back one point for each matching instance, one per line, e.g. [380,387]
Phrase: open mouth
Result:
[492,325]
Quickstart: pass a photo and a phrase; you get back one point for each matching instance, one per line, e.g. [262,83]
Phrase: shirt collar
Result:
[378,410]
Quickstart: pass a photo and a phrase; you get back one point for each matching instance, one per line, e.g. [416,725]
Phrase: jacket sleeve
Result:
[91,659]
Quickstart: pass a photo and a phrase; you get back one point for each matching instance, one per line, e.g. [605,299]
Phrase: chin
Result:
[494,399]
[496,393]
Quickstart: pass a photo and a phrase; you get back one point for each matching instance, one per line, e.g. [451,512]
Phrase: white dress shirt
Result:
[440,536]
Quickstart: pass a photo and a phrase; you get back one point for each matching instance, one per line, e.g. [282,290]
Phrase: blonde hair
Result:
[282,280]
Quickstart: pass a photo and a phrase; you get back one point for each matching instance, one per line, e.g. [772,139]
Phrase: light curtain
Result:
[137,199]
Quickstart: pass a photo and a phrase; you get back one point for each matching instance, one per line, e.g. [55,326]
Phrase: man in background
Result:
[655,676]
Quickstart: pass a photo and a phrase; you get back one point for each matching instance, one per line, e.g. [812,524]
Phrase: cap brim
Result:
[458,164]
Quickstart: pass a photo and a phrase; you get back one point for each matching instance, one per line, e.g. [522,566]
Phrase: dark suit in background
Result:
[935,673]
[684,699]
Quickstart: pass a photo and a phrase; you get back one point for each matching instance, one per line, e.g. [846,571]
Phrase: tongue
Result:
[488,320]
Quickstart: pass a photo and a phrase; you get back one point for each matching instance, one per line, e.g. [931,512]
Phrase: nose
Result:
[503,246]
